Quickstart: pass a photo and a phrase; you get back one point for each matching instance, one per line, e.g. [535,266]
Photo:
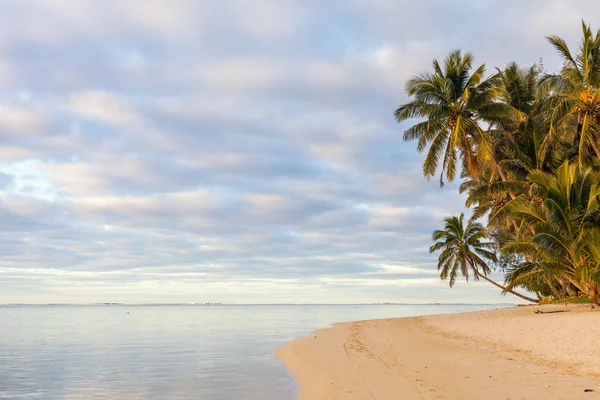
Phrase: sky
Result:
[239,151]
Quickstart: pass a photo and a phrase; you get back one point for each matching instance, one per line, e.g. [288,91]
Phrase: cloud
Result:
[15,120]
[104,107]
[5,180]
[243,151]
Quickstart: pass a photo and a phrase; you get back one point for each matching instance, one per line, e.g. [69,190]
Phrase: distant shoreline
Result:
[530,352]
[254,304]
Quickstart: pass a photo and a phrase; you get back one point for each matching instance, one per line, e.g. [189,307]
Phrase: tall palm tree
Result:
[464,251]
[517,139]
[575,96]
[565,220]
[452,100]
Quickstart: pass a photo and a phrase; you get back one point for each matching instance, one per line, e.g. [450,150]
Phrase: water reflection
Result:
[163,352]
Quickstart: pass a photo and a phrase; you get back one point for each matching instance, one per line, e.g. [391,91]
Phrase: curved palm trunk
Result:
[505,289]
[595,147]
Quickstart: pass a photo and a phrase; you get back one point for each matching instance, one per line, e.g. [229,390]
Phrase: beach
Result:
[525,352]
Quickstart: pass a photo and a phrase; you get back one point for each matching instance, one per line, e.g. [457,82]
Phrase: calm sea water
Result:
[165,352]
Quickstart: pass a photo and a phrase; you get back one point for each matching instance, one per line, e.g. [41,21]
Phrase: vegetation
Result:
[525,146]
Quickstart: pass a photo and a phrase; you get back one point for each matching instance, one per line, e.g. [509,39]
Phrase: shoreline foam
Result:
[512,353]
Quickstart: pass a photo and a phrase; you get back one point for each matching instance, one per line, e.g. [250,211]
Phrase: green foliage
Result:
[526,147]
[462,249]
[568,300]
[562,240]
[454,98]
[465,251]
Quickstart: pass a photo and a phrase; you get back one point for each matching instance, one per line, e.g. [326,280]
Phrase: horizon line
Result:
[249,304]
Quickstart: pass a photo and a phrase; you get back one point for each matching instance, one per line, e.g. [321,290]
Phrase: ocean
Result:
[207,352]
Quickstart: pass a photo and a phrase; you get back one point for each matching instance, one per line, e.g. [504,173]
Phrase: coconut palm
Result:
[565,225]
[518,86]
[517,139]
[527,149]
[573,107]
[465,251]
[453,100]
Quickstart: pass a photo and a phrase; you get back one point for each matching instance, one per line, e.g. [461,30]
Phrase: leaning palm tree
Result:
[453,100]
[574,102]
[464,251]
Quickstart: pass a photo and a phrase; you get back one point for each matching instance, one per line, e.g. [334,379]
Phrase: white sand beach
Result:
[527,352]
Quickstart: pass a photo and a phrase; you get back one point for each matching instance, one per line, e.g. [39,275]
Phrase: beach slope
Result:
[532,352]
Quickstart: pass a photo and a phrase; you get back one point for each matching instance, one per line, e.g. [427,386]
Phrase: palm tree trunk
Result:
[505,289]
[595,147]
[503,178]
[594,295]
[552,287]
[578,132]
[576,284]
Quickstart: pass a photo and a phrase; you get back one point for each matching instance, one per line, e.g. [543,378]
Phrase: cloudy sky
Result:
[233,151]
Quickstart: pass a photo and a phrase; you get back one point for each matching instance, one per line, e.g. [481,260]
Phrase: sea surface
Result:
[216,352]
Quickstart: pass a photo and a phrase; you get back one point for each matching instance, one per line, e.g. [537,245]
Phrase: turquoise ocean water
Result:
[218,352]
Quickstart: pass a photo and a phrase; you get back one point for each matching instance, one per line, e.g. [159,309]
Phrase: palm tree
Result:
[518,86]
[464,251]
[453,100]
[527,150]
[517,139]
[564,214]
[575,96]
